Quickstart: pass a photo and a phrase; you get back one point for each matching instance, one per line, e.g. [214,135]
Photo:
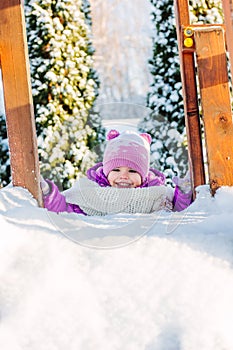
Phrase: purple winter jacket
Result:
[56,201]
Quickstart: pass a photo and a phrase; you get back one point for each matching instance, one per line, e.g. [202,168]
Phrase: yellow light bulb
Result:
[188,42]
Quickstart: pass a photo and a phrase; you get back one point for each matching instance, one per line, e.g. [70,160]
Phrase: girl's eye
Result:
[132,171]
[116,169]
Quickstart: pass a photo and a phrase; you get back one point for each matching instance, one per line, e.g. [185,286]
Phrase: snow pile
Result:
[168,287]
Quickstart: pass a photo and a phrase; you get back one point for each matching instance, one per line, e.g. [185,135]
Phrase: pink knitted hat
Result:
[127,149]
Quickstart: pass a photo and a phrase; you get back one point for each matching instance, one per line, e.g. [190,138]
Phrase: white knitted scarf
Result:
[96,200]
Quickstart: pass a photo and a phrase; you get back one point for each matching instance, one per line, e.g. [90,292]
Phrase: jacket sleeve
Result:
[56,202]
[181,200]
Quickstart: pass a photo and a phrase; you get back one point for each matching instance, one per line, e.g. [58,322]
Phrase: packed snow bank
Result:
[168,287]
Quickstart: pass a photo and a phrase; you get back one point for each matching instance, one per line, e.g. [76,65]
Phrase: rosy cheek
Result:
[139,181]
[110,179]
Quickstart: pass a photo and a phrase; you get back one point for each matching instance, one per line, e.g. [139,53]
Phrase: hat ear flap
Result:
[147,137]
[112,134]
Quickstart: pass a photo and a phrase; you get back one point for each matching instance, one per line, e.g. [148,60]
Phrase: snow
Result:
[162,281]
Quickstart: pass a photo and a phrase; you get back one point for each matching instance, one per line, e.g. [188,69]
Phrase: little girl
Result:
[123,182]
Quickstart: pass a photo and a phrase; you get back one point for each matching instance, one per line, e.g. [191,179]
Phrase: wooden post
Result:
[216,104]
[228,20]
[188,77]
[18,98]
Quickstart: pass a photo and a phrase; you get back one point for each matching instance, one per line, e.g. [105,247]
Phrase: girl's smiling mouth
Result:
[123,184]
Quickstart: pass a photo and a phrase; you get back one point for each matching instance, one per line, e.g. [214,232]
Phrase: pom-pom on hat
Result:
[127,149]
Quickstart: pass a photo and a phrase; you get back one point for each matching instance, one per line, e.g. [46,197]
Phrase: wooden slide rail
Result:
[191,108]
[207,44]
[18,98]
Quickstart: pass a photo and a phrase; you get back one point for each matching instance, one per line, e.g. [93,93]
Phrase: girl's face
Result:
[124,177]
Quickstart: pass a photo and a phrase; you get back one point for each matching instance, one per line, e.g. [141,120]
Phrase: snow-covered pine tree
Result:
[64,85]
[166,120]
[165,123]
[206,11]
